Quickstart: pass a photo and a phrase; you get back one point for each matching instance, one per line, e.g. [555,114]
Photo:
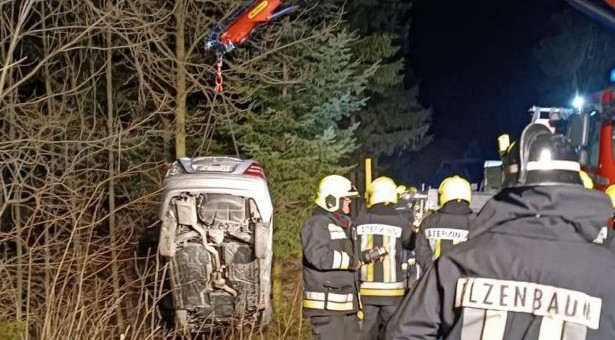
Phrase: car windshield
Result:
[217,208]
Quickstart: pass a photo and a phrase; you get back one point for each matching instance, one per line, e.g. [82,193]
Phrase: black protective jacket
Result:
[441,230]
[384,283]
[530,270]
[329,265]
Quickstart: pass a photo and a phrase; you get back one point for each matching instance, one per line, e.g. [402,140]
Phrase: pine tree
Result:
[393,120]
[297,126]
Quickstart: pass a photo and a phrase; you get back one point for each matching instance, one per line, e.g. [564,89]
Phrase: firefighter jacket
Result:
[329,265]
[384,283]
[606,237]
[530,270]
[441,230]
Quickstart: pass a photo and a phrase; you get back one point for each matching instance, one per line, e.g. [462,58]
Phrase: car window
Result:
[216,208]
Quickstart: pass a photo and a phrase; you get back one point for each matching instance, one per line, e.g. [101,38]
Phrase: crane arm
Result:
[242,22]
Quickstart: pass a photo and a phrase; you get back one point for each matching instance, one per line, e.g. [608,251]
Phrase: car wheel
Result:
[261,241]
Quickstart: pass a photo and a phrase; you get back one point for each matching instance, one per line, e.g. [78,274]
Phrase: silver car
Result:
[216,232]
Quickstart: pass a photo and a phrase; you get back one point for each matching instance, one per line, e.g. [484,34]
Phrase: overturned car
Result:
[216,233]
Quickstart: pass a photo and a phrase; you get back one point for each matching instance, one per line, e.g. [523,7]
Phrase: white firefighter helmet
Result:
[454,188]
[382,190]
[331,189]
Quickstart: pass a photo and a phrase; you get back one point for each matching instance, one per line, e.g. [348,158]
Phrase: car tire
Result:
[261,241]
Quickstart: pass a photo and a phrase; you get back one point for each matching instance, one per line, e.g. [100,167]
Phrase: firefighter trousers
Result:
[375,318]
[335,327]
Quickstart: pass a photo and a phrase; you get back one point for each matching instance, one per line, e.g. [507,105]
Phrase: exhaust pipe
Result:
[218,280]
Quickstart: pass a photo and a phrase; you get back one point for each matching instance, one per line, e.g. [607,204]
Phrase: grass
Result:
[12,330]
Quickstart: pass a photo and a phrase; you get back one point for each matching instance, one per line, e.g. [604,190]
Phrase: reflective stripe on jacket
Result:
[441,230]
[384,283]
[329,262]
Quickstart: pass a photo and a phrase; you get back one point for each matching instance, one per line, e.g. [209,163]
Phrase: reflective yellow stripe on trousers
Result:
[383,289]
[382,292]
[336,306]
[336,302]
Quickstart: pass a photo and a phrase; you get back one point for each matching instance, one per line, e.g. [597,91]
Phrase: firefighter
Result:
[330,297]
[383,283]
[607,234]
[446,226]
[610,191]
[529,270]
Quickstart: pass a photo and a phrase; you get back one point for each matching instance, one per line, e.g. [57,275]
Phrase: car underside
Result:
[216,244]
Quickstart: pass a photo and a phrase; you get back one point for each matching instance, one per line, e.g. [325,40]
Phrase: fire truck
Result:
[592,128]
[594,136]
[589,127]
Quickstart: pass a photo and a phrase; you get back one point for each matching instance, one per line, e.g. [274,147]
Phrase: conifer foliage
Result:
[295,124]
[393,120]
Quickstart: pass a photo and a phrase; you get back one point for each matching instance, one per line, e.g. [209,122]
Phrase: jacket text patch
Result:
[526,297]
[446,234]
[379,229]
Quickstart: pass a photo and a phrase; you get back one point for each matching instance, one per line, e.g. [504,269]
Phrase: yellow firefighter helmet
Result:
[455,188]
[610,191]
[587,181]
[331,189]
[382,190]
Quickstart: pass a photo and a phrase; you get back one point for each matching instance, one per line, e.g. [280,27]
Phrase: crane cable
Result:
[219,89]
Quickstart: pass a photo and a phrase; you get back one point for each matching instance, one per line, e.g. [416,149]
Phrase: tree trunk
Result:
[20,260]
[180,80]
[111,189]
[285,78]
[16,216]
[23,13]
[167,139]
[277,263]
[49,103]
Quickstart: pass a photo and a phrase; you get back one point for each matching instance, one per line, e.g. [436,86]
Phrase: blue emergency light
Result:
[612,78]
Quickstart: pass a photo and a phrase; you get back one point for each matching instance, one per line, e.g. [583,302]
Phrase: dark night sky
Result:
[476,66]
